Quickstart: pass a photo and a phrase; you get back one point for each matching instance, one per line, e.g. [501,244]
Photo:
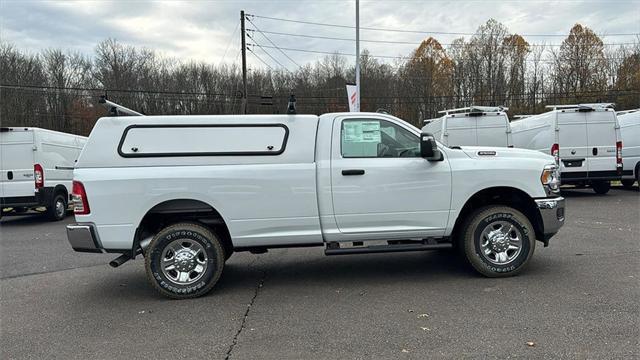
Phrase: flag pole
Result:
[357,107]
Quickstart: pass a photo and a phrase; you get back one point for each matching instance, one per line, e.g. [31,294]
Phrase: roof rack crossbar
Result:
[474,108]
[593,106]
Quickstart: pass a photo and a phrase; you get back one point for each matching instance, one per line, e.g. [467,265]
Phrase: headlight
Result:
[550,178]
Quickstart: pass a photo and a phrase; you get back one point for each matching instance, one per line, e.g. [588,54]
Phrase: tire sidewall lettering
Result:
[522,257]
[165,283]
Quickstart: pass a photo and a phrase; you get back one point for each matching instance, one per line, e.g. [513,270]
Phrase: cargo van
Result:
[584,139]
[36,170]
[472,126]
[630,132]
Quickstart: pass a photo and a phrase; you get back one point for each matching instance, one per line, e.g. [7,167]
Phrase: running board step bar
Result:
[332,250]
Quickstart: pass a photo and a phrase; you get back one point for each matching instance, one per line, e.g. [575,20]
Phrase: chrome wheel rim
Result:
[60,208]
[183,261]
[500,242]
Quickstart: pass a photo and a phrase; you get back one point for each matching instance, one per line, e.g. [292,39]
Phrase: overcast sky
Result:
[208,30]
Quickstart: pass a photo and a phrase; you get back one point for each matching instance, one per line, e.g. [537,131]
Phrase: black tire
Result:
[490,216]
[628,183]
[57,210]
[193,233]
[601,187]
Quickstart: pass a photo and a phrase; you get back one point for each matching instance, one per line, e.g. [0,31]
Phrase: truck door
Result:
[381,187]
[572,139]
[601,140]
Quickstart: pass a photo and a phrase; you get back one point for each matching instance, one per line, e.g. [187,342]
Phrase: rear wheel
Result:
[498,241]
[184,260]
[58,208]
[601,187]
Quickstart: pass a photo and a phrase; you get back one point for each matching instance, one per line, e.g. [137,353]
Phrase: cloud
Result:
[204,30]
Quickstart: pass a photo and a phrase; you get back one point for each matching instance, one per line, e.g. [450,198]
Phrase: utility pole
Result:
[244,65]
[357,108]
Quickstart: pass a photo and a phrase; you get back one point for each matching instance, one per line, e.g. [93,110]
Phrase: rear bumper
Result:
[18,201]
[552,215]
[41,197]
[568,177]
[84,238]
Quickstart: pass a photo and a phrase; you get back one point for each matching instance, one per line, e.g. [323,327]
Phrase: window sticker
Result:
[371,131]
[352,131]
[362,131]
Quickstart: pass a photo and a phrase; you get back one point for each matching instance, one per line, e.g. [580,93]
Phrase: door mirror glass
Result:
[429,148]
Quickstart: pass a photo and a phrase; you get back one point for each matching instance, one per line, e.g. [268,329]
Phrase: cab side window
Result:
[372,138]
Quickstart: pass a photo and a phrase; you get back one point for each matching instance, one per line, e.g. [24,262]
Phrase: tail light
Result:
[38,175]
[555,152]
[79,198]
[619,152]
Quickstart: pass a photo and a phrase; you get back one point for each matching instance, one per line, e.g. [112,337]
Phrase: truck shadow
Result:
[575,193]
[30,218]
[286,270]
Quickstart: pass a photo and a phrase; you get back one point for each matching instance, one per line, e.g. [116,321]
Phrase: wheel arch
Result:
[61,189]
[500,195]
[172,211]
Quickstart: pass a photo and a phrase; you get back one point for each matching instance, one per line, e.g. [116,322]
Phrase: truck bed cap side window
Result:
[360,138]
[203,140]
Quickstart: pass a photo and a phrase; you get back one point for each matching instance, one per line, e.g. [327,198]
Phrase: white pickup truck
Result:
[188,191]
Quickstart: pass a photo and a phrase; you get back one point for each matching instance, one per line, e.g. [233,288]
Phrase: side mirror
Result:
[429,148]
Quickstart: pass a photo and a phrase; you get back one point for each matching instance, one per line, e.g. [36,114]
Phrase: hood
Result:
[489,152]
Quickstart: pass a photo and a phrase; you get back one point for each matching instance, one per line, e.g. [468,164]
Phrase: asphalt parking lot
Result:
[577,299]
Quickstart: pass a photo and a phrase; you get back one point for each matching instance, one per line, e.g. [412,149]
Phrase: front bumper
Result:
[552,215]
[84,238]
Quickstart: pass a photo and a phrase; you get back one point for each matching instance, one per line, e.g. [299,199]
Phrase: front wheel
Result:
[498,241]
[601,187]
[184,261]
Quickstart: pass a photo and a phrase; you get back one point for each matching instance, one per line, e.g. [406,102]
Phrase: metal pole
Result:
[244,65]
[357,107]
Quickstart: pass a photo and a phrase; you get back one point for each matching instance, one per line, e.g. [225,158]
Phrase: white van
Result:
[36,170]
[472,126]
[584,139]
[630,132]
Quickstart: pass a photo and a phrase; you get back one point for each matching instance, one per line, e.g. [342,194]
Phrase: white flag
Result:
[352,98]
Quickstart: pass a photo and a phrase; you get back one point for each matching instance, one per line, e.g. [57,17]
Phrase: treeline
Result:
[59,90]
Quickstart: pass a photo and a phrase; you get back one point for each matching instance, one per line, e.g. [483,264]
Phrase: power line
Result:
[272,43]
[410,31]
[102,90]
[230,41]
[266,52]
[259,58]
[411,42]
[407,57]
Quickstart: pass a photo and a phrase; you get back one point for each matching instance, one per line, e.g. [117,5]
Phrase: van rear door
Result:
[16,163]
[601,139]
[460,130]
[492,130]
[572,139]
